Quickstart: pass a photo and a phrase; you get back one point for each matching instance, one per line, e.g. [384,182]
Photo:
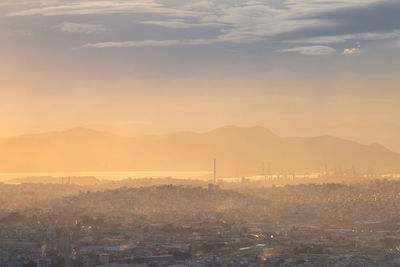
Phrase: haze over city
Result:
[199,133]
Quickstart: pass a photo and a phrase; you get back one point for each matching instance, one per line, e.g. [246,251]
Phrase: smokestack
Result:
[215,171]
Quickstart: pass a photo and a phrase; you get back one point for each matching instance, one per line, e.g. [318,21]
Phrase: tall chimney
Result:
[215,171]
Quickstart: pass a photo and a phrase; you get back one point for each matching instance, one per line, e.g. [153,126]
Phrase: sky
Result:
[297,67]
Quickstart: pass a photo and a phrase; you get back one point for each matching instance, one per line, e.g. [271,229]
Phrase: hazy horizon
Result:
[300,68]
[239,151]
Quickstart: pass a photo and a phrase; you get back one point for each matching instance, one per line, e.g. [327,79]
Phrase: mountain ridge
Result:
[236,148]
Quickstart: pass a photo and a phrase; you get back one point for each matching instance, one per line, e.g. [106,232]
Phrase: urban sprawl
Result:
[169,222]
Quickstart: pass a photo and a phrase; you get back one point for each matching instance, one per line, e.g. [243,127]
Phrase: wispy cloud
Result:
[316,22]
[72,27]
[149,43]
[316,50]
[146,43]
[180,24]
[336,39]
[97,7]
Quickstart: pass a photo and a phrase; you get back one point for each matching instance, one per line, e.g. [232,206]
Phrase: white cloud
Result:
[354,50]
[80,28]
[316,50]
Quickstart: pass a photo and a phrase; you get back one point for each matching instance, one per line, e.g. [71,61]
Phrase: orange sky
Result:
[158,68]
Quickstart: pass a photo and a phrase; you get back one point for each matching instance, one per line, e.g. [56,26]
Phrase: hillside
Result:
[237,149]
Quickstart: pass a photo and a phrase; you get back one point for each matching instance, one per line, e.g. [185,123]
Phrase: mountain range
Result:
[239,151]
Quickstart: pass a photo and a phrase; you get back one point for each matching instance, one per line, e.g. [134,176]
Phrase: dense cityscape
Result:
[146,222]
[199,133]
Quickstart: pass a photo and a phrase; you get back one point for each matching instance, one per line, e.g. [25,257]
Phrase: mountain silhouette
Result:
[238,150]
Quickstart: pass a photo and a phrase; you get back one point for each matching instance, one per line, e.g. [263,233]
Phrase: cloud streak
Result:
[149,43]
[100,7]
[127,44]
[315,50]
[179,24]
[71,27]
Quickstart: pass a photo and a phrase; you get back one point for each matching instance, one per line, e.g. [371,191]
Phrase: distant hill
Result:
[238,150]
